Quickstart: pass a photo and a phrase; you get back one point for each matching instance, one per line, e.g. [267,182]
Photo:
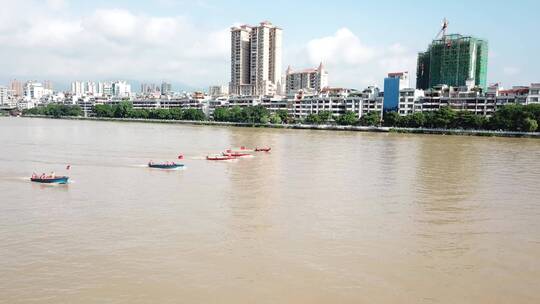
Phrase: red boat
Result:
[219,157]
[265,149]
[235,154]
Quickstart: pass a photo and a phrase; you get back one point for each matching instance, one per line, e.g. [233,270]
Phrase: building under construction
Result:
[453,60]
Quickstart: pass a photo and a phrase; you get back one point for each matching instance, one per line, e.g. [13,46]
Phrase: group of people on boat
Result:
[43,175]
[167,163]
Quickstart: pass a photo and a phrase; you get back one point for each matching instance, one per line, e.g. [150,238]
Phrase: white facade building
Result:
[4,96]
[256,59]
[338,101]
[166,88]
[77,88]
[409,101]
[534,93]
[91,88]
[309,80]
[218,91]
[35,91]
[105,89]
[121,89]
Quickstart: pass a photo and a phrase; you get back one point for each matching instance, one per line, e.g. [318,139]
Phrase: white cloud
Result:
[114,23]
[110,44]
[354,63]
[342,48]
[49,42]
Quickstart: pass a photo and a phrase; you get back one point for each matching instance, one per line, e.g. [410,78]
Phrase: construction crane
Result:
[442,32]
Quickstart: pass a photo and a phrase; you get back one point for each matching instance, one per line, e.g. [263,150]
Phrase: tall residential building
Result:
[166,88]
[393,84]
[121,89]
[16,87]
[105,89]
[47,84]
[453,60]
[256,59]
[91,88]
[309,80]
[149,88]
[78,88]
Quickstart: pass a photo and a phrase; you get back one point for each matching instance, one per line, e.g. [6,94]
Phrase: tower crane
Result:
[442,32]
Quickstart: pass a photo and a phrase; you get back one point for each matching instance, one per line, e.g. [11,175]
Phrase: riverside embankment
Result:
[328,127]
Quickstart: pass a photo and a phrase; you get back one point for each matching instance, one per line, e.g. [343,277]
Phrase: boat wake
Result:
[198,158]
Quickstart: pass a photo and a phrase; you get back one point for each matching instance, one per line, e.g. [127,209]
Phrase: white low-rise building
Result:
[534,93]
[409,101]
[218,91]
[35,91]
[337,101]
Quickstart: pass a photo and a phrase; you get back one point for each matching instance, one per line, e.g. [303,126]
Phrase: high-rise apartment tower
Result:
[256,59]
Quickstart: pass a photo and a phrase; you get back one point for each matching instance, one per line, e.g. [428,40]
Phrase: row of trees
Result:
[55,110]
[347,119]
[255,114]
[125,109]
[513,117]
[510,118]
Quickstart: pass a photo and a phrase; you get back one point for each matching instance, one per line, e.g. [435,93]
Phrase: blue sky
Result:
[186,42]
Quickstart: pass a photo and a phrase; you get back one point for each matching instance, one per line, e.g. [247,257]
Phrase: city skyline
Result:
[70,40]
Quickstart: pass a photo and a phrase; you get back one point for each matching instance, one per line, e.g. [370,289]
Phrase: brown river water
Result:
[326,217]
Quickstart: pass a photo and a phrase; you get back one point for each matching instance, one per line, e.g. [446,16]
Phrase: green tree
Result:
[103,110]
[469,120]
[162,114]
[236,114]
[283,115]
[416,120]
[222,114]
[347,119]
[530,125]
[443,118]
[121,109]
[176,113]
[509,117]
[391,119]
[193,114]
[325,116]
[534,111]
[275,119]
[138,113]
[256,114]
[370,119]
[313,119]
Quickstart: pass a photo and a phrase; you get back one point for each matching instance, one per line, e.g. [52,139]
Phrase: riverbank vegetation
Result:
[514,117]
[125,110]
[254,114]
[508,118]
[55,110]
